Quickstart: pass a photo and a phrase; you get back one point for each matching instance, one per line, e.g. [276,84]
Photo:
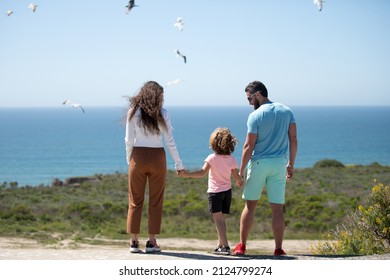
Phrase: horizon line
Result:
[192,106]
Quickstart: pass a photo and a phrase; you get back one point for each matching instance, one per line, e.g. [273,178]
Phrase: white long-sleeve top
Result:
[136,137]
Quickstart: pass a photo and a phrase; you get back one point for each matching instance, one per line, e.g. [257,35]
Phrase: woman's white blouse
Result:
[137,137]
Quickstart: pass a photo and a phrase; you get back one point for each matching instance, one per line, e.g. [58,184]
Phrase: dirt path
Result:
[173,249]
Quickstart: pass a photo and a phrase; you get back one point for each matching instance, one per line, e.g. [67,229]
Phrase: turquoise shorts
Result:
[271,173]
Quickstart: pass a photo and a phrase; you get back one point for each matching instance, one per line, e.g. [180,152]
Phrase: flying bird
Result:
[33,7]
[174,82]
[319,4]
[178,53]
[130,6]
[9,12]
[74,105]
[179,23]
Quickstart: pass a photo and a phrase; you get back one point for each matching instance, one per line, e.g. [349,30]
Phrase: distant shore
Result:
[78,179]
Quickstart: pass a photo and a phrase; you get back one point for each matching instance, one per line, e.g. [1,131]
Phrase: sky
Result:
[93,53]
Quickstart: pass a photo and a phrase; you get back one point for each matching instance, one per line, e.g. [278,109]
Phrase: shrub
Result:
[328,163]
[364,232]
[22,213]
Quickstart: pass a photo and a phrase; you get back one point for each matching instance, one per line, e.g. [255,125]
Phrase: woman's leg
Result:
[157,175]
[136,192]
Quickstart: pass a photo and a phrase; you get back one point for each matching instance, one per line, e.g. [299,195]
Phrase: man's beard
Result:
[256,104]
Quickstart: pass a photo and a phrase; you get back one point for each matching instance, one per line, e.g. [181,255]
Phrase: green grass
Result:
[317,199]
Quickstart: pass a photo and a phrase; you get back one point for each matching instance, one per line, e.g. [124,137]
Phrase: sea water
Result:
[40,144]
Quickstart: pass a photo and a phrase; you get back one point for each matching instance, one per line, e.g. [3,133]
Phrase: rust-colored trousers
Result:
[146,165]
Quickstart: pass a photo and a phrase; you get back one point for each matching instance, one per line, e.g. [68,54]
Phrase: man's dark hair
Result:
[256,86]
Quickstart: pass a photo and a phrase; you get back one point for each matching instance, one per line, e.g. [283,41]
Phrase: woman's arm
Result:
[129,137]
[170,142]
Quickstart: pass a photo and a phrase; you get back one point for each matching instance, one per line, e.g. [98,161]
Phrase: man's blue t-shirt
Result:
[270,122]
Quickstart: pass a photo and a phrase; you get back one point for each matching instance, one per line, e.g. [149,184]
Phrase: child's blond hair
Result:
[222,141]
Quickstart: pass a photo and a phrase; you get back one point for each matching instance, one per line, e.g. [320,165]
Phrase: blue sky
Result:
[93,53]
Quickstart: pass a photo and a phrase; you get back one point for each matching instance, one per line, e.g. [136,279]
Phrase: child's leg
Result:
[219,219]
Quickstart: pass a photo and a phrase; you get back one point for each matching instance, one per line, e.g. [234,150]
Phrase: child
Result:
[220,166]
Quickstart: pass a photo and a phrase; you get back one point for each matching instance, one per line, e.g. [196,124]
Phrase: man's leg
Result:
[278,224]
[247,218]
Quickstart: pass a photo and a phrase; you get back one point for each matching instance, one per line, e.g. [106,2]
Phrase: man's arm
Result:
[292,137]
[247,151]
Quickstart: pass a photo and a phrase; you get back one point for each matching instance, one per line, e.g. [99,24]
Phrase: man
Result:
[268,158]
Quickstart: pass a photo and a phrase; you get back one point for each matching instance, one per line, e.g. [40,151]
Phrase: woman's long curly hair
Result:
[149,100]
[222,141]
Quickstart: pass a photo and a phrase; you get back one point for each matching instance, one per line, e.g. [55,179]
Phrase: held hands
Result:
[181,173]
[240,183]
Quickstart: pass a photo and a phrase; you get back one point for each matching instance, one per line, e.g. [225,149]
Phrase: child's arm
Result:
[237,177]
[196,174]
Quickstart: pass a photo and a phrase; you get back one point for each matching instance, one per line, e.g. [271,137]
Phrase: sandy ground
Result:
[172,249]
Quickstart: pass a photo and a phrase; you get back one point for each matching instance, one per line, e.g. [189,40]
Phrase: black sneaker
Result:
[215,251]
[134,247]
[150,248]
[222,250]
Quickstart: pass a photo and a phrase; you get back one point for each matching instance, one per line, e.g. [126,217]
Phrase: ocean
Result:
[38,145]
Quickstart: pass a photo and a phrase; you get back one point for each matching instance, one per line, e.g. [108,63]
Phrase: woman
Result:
[146,126]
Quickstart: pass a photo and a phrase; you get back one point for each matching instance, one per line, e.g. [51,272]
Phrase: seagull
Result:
[74,105]
[130,6]
[67,101]
[9,12]
[319,4]
[32,7]
[180,54]
[179,23]
[174,82]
